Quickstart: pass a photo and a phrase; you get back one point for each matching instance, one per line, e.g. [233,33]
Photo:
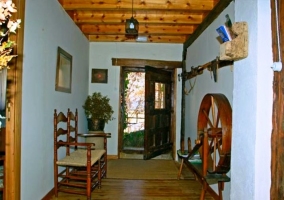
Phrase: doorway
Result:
[146,113]
[133,106]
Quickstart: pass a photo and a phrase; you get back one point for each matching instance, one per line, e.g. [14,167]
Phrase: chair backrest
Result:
[72,126]
[65,130]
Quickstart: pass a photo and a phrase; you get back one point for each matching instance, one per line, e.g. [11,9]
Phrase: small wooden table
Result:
[97,137]
[95,134]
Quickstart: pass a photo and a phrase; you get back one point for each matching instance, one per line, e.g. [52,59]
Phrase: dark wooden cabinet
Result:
[2,161]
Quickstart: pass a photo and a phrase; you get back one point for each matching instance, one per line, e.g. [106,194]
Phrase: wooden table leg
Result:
[180,169]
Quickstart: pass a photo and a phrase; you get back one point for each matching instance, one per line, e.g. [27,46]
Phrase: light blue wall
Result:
[101,54]
[252,106]
[47,26]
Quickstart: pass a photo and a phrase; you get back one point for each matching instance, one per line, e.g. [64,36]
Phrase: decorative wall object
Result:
[237,48]
[99,75]
[63,71]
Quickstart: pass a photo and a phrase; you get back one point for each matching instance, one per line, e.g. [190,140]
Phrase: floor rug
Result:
[142,169]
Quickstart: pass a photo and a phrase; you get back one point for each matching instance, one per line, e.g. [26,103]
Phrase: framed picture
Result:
[63,71]
[99,76]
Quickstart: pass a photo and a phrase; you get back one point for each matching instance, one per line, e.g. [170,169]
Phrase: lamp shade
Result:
[131,27]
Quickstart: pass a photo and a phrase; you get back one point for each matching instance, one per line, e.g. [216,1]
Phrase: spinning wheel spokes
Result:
[209,120]
[215,118]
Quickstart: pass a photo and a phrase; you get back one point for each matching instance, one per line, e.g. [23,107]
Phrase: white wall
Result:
[47,26]
[252,107]
[203,50]
[249,89]
[100,57]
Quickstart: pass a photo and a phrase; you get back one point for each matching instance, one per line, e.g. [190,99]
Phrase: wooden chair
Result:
[213,145]
[77,168]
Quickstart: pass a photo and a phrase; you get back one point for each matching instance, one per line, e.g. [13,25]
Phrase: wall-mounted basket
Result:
[237,48]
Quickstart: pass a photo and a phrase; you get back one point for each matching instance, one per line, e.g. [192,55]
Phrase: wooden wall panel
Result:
[277,140]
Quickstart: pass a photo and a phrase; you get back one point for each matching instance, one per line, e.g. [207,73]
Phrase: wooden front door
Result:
[158,107]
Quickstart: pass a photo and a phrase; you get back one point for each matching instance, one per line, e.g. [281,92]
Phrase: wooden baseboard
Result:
[49,195]
[112,157]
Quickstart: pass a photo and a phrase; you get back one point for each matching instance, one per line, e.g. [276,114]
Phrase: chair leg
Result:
[180,169]
[99,173]
[203,191]
[105,160]
[55,181]
[103,166]
[220,189]
[89,180]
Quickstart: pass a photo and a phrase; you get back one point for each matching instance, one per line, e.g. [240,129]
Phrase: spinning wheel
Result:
[214,133]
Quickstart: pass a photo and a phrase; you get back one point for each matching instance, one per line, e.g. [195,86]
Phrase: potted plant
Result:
[98,111]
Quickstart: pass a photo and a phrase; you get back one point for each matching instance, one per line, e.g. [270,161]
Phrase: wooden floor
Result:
[118,189]
[121,189]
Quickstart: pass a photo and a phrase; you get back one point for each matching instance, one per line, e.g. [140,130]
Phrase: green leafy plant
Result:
[97,106]
[7,25]
[134,139]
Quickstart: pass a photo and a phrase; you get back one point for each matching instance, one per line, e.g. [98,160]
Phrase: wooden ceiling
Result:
[160,21]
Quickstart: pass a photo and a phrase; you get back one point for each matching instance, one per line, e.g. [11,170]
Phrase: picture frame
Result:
[99,76]
[63,80]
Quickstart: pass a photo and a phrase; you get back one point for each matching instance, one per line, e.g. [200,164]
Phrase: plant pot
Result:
[96,124]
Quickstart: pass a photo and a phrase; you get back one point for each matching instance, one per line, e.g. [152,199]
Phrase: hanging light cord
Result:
[277,30]
[132,8]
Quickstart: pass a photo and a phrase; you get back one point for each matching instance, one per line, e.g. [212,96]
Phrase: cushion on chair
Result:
[79,158]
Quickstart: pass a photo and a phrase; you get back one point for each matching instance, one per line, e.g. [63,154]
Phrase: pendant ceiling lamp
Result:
[131,26]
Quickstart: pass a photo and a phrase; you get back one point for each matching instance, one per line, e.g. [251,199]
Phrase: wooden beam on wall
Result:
[128,62]
[12,189]
[195,71]
[221,5]
[277,139]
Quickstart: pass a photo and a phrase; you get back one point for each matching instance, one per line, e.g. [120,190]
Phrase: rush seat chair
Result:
[77,166]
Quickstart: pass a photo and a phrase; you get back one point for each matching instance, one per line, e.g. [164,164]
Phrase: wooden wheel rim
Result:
[223,114]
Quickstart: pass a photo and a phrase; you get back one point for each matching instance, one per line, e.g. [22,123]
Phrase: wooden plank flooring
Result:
[119,189]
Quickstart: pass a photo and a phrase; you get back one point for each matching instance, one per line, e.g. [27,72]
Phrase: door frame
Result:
[13,124]
[129,62]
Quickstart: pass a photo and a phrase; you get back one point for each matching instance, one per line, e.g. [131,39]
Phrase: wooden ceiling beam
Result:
[153,29]
[151,17]
[167,21]
[194,5]
[127,62]
[150,39]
